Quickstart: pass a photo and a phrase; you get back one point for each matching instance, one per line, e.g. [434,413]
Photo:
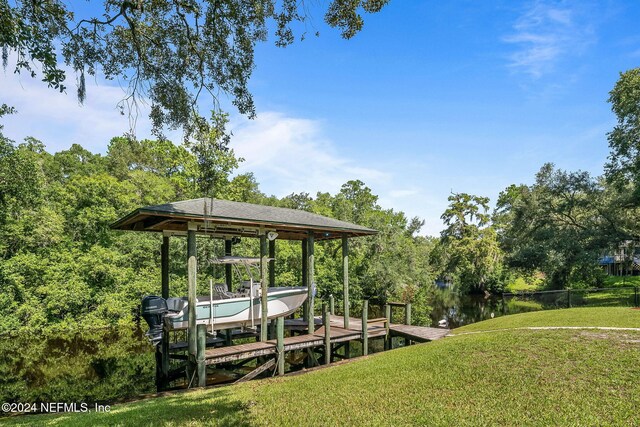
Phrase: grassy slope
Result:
[512,377]
[596,316]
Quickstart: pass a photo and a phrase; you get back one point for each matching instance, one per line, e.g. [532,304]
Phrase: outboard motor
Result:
[154,308]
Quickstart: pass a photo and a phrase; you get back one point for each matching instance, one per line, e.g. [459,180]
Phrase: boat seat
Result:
[220,292]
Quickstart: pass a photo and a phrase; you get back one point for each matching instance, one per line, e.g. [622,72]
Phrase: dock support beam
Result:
[332,305]
[407,320]
[202,367]
[228,272]
[192,266]
[272,263]
[326,320]
[388,341]
[305,277]
[310,282]
[280,344]
[365,328]
[345,279]
[264,282]
[163,371]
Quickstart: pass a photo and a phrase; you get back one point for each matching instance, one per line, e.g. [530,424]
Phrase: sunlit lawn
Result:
[509,377]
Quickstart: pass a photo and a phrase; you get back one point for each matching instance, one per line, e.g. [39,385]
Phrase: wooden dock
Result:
[418,333]
[376,328]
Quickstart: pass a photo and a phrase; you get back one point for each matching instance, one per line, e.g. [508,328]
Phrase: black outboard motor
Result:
[153,310]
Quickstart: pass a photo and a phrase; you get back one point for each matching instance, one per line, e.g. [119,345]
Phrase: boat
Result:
[223,309]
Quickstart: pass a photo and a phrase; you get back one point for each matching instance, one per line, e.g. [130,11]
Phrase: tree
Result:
[557,226]
[624,140]
[168,51]
[469,248]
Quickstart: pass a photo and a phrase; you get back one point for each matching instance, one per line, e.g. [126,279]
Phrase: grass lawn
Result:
[511,377]
[592,316]
[613,281]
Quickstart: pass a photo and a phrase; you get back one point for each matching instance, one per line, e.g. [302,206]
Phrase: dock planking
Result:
[418,333]
[376,328]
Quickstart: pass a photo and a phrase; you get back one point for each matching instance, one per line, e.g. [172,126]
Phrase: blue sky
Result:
[431,97]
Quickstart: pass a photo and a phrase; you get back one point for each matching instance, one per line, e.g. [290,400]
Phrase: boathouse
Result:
[228,220]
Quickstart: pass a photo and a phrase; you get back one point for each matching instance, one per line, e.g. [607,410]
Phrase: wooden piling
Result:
[388,343]
[310,282]
[163,369]
[280,344]
[272,263]
[200,359]
[326,321]
[264,281]
[305,278]
[191,292]
[228,271]
[332,306]
[365,327]
[345,279]
[407,320]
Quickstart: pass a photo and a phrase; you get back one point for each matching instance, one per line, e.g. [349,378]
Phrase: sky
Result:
[430,98]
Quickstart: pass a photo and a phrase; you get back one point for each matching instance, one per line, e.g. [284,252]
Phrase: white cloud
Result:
[546,33]
[58,120]
[289,154]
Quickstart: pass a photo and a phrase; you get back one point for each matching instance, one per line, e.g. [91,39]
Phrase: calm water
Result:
[106,366]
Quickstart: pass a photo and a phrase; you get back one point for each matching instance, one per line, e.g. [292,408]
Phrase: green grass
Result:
[583,316]
[521,284]
[613,281]
[511,377]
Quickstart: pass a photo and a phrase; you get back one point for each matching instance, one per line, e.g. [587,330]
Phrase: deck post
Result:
[305,277]
[280,343]
[326,320]
[272,262]
[310,282]
[264,282]
[407,320]
[388,343]
[332,305]
[202,344]
[163,372]
[191,293]
[345,289]
[365,330]
[345,279]
[228,271]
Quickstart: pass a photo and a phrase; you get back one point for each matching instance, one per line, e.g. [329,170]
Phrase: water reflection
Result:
[452,310]
[98,366]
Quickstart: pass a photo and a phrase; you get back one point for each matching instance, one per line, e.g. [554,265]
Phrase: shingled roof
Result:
[227,218]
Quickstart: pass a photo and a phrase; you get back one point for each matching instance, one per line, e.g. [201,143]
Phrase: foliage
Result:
[62,267]
[469,250]
[168,52]
[453,381]
[556,227]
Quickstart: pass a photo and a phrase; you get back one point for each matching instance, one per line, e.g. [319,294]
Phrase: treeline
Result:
[62,267]
[558,228]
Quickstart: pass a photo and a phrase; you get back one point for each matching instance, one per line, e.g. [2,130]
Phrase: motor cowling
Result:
[153,309]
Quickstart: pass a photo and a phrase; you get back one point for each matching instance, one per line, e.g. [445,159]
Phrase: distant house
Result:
[623,261]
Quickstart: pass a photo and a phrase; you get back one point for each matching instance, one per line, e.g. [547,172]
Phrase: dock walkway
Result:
[338,334]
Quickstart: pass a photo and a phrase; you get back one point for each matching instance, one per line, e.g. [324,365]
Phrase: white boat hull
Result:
[236,312]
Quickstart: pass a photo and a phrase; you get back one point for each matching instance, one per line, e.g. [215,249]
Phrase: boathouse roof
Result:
[225,218]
